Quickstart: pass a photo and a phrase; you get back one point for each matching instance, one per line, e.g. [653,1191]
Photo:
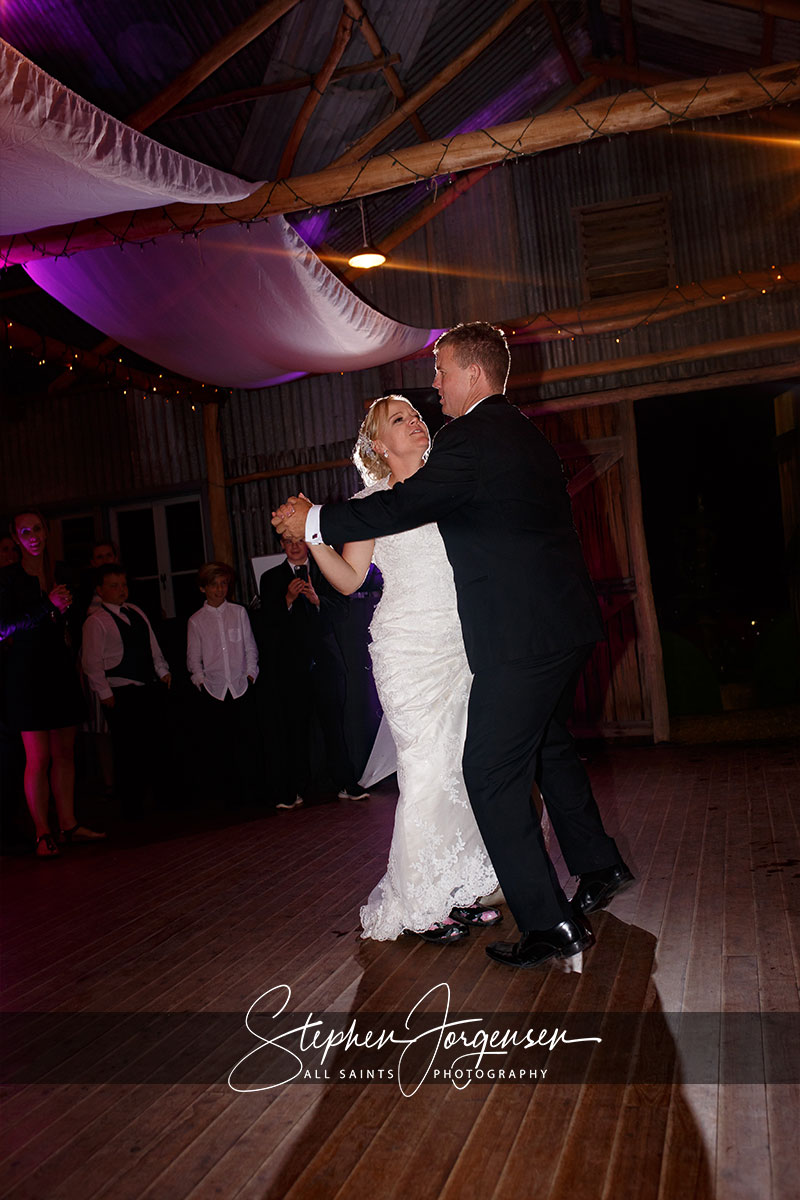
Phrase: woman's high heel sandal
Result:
[476,914]
[46,846]
[79,833]
[441,932]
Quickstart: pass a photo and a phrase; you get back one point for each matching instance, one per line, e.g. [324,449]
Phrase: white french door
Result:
[162,545]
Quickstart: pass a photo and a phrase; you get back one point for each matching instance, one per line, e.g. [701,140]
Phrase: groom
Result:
[530,619]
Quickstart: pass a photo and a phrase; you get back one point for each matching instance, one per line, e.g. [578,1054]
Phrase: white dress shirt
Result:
[102,649]
[221,650]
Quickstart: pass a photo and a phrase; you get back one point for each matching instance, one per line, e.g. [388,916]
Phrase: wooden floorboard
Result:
[204,916]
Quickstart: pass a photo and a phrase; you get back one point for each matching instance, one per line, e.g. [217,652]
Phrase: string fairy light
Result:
[594,129]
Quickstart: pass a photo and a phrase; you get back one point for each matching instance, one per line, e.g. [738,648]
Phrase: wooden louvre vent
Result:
[625,246]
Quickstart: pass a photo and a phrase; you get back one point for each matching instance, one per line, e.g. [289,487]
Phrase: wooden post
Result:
[221,538]
[767,40]
[626,16]
[644,605]
[787,441]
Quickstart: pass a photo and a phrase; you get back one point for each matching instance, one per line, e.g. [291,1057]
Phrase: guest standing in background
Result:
[222,659]
[42,696]
[299,612]
[122,661]
[9,551]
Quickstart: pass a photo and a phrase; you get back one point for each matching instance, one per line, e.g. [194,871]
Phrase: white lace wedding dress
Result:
[437,857]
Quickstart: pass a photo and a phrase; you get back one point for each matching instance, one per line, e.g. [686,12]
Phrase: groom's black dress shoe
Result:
[538,945]
[595,888]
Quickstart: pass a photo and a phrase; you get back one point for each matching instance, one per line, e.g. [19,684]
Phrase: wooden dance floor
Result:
[128,970]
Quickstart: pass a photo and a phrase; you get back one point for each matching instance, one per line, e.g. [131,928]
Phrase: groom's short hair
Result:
[481,343]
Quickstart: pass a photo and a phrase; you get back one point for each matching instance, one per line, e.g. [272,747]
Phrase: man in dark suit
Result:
[299,617]
[530,618]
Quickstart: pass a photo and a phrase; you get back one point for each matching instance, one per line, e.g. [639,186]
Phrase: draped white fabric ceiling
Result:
[235,307]
[64,159]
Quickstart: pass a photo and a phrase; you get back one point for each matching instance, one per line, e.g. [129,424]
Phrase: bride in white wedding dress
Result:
[438,865]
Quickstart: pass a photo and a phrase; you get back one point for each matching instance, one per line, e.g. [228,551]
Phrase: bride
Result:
[438,864]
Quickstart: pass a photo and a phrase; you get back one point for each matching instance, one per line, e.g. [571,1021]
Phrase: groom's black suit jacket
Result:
[496,488]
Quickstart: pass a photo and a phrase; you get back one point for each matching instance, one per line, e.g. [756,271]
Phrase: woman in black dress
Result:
[43,699]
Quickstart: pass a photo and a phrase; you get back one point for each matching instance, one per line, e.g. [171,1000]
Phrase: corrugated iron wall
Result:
[509,247]
[72,450]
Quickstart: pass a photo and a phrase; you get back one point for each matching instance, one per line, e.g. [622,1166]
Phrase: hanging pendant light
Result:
[367,256]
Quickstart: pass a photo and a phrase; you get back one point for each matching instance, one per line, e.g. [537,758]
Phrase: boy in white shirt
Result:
[222,659]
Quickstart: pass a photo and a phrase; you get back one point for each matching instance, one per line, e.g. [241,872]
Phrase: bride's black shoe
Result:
[441,932]
[476,914]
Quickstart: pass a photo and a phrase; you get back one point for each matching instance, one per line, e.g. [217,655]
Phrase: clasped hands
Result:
[290,518]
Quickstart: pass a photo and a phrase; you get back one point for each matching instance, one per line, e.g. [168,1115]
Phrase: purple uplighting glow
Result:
[314,227]
[528,91]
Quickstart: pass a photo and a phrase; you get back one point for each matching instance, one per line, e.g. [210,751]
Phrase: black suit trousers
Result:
[517,734]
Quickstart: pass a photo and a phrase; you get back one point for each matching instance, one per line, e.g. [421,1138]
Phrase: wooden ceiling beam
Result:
[615,313]
[233,41]
[248,95]
[647,77]
[750,343]
[69,376]
[29,289]
[341,40]
[615,68]
[368,32]
[669,103]
[447,195]
[22,337]
[561,43]
[666,387]
[439,81]
[788,10]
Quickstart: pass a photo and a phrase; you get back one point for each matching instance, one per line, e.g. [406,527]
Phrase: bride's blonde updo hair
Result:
[371,466]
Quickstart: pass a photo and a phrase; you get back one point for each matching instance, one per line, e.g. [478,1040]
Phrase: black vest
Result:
[137,658]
